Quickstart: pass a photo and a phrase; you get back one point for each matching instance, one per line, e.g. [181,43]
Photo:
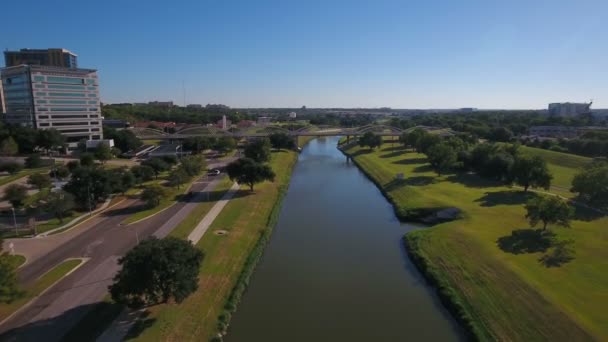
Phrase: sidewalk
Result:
[202,226]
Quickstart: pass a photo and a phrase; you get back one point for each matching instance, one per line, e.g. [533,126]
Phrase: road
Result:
[103,240]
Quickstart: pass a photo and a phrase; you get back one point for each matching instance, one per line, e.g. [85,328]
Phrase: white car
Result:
[213,172]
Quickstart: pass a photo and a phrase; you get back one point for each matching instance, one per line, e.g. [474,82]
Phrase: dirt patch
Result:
[220,232]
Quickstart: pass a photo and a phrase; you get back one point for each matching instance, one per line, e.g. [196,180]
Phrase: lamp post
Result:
[15,222]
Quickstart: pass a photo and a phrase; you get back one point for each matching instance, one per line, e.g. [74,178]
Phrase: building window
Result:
[69,87]
[68,101]
[96,137]
[39,78]
[91,88]
[68,109]
[43,116]
[40,94]
[92,95]
[66,80]
[67,94]
[44,124]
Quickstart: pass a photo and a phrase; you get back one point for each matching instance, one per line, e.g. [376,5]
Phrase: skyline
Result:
[338,55]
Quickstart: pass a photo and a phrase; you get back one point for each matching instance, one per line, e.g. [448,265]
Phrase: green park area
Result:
[489,265]
[245,225]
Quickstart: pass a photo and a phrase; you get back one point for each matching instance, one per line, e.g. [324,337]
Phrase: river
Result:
[335,268]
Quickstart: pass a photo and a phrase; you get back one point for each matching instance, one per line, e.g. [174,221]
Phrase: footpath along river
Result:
[335,268]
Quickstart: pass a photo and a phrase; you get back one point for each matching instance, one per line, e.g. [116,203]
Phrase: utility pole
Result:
[15,222]
[89,197]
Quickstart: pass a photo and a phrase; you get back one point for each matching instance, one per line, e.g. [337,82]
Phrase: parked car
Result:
[213,172]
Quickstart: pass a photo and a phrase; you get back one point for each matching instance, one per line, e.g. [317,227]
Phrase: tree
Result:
[426,141]
[501,134]
[60,172]
[156,271]
[198,144]
[248,171]
[442,157]
[548,210]
[11,167]
[157,164]
[142,173]
[15,194]
[281,140]
[592,184]
[33,161]
[370,140]
[89,185]
[59,203]
[124,140]
[225,145]
[8,147]
[103,152]
[192,165]
[120,180]
[73,165]
[86,160]
[25,137]
[40,180]
[9,288]
[152,195]
[531,172]
[49,139]
[258,150]
[178,177]
[414,136]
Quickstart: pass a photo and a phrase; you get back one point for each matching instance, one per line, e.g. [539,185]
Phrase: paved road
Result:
[103,240]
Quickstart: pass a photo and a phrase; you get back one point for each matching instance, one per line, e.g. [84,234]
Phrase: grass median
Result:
[39,286]
[497,292]
[244,219]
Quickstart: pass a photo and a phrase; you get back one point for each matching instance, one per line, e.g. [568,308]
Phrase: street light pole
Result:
[15,222]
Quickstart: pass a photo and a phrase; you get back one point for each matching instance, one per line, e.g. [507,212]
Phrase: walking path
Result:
[202,226]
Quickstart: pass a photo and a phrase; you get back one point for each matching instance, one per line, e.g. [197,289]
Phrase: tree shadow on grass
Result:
[412,181]
[411,161]
[582,213]
[471,180]
[526,241]
[393,148]
[423,168]
[143,323]
[214,195]
[392,154]
[562,253]
[505,197]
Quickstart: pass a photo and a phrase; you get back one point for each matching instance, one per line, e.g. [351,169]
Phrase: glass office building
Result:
[49,57]
[44,97]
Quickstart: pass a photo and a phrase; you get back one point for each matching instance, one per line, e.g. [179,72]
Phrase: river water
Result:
[335,268]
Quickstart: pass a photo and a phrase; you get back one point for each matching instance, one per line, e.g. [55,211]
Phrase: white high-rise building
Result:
[44,97]
[569,108]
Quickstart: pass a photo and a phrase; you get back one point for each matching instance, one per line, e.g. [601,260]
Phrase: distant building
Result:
[569,109]
[194,106]
[224,123]
[246,123]
[44,97]
[293,115]
[217,108]
[48,57]
[264,120]
[164,104]
[1,99]
[467,110]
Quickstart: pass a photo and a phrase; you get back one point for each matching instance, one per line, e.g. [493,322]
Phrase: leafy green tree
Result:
[178,177]
[157,164]
[87,160]
[59,203]
[15,194]
[49,139]
[442,157]
[33,161]
[498,166]
[531,172]
[258,150]
[11,167]
[592,184]
[198,144]
[414,136]
[25,137]
[8,147]
[549,210]
[281,141]
[121,180]
[124,140]
[89,185]
[152,195]
[9,288]
[501,134]
[248,171]
[40,180]
[142,173]
[103,152]
[426,141]
[60,172]
[156,271]
[370,140]
[192,165]
[73,165]
[225,145]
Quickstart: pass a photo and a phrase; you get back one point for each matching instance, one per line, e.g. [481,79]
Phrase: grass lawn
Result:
[16,260]
[245,217]
[563,166]
[171,195]
[23,173]
[39,286]
[501,293]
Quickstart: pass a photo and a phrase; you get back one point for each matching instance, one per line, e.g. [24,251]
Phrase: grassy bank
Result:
[228,258]
[40,285]
[496,288]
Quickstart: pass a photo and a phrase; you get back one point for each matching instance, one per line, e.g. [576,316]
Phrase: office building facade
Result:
[569,109]
[49,57]
[44,97]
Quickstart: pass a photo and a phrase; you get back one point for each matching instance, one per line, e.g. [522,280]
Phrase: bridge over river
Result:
[254,132]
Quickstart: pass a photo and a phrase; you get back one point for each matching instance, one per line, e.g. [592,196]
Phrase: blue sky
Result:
[401,54]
